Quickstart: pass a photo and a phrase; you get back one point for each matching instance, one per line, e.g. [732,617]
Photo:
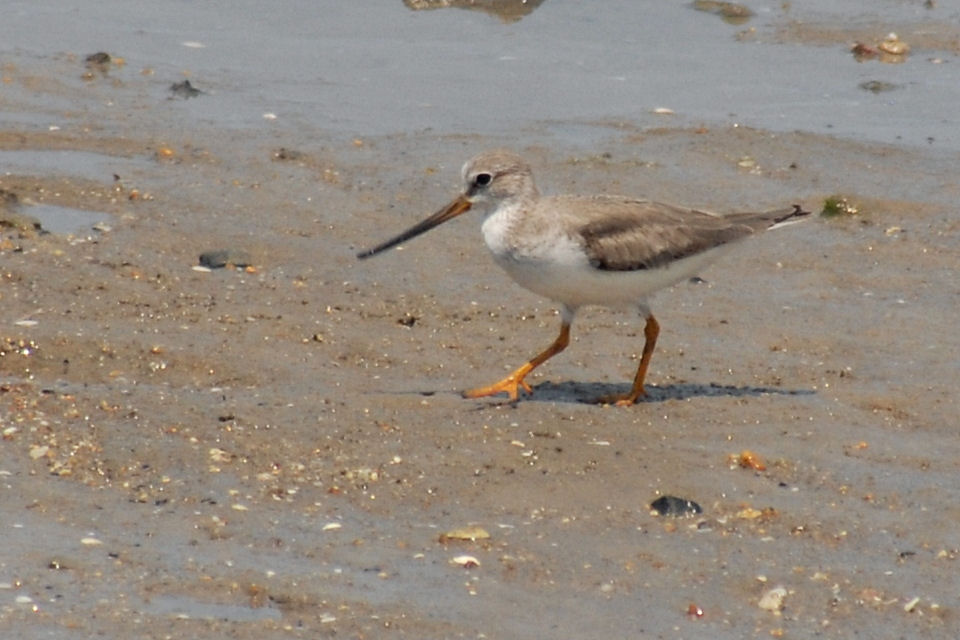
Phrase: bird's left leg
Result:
[650,332]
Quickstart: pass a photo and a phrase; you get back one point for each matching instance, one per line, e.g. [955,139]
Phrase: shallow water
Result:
[377,68]
[80,164]
[67,220]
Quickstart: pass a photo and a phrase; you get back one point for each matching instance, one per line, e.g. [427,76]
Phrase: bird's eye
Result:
[482,179]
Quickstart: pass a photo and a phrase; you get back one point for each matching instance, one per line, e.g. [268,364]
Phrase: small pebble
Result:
[773,600]
[38,451]
[894,46]
[219,455]
[878,86]
[750,460]
[467,562]
[99,58]
[283,153]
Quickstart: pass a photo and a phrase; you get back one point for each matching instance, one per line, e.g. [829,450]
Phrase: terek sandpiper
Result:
[586,250]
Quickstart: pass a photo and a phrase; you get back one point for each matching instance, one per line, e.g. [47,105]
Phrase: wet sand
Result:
[277,451]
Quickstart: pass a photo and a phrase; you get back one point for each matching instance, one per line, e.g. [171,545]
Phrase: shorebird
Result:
[600,250]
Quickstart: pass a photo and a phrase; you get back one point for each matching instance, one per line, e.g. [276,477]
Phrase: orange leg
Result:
[650,332]
[511,383]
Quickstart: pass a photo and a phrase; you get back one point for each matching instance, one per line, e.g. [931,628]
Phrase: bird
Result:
[582,250]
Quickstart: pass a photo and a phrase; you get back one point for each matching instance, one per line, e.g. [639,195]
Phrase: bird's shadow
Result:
[591,392]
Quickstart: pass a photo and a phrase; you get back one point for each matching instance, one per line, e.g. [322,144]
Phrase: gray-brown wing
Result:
[639,234]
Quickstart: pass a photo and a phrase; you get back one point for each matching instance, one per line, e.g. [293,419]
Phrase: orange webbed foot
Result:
[510,385]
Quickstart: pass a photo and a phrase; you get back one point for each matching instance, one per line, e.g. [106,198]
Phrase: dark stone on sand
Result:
[284,153]
[184,90]
[98,59]
[675,507]
[220,258]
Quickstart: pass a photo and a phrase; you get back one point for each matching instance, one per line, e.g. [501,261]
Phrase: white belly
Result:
[576,283]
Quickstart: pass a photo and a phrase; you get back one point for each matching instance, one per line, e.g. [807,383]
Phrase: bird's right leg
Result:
[512,382]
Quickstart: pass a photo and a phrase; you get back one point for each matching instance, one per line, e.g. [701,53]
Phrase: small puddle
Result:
[184,607]
[82,164]
[65,220]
